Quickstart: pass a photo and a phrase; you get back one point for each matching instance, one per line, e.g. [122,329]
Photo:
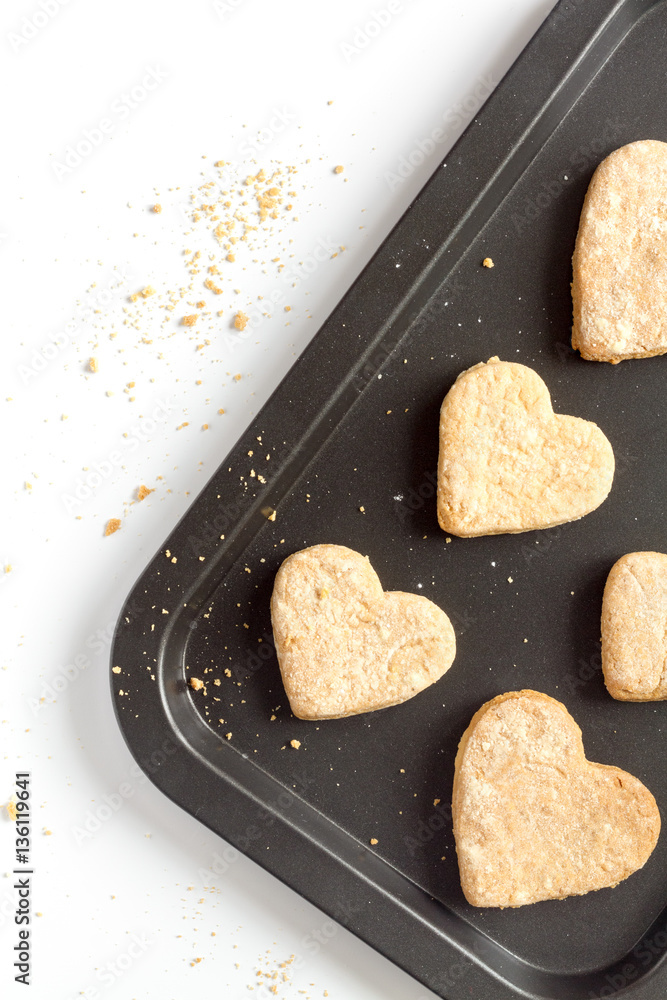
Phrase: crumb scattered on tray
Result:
[196,684]
[339,169]
[92,365]
[374,841]
[11,809]
[143,492]
[240,320]
[295,743]
[113,525]
[487,262]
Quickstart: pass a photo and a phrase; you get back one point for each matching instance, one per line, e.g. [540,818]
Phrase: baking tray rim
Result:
[468,944]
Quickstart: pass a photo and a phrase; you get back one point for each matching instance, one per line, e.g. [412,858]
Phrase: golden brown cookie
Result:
[634,628]
[508,463]
[619,267]
[533,819]
[344,645]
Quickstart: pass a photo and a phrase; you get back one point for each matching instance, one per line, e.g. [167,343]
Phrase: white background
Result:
[124,912]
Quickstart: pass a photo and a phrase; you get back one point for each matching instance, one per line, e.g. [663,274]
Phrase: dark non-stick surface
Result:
[525,608]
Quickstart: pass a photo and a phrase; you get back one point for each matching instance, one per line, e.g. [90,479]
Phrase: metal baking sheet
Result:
[592,79]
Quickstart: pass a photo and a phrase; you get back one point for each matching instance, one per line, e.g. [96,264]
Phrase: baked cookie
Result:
[508,463]
[533,819]
[344,645]
[634,628]
[619,267]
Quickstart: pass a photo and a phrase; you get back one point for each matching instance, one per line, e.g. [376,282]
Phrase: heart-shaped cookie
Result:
[344,645]
[533,819]
[619,267]
[508,463]
[634,628]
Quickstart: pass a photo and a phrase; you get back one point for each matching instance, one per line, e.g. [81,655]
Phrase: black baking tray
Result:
[593,78]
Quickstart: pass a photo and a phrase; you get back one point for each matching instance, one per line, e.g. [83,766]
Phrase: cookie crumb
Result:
[295,743]
[143,294]
[113,525]
[339,169]
[115,670]
[487,262]
[143,492]
[196,684]
[92,365]
[157,209]
[189,320]
[240,320]
[11,810]
[436,802]
[228,736]
[374,841]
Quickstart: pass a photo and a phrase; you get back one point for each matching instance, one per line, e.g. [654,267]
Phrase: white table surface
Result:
[123,910]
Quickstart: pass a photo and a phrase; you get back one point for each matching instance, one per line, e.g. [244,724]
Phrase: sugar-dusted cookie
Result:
[634,628]
[508,463]
[533,819]
[619,267]
[344,645]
